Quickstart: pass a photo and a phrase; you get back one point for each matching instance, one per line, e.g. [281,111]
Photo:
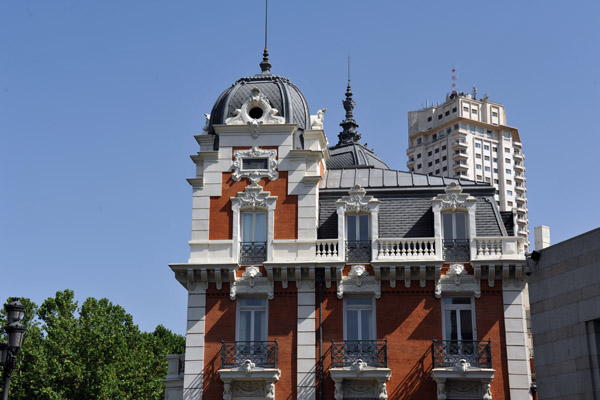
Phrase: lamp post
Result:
[14,331]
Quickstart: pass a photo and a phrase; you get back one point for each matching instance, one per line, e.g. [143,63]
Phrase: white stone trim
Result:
[252,198]
[519,372]
[478,378]
[306,344]
[249,381]
[457,282]
[357,202]
[251,283]
[454,200]
[194,344]
[360,373]
[254,174]
[358,281]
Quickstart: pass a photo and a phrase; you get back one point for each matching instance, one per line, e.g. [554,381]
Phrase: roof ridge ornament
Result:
[349,134]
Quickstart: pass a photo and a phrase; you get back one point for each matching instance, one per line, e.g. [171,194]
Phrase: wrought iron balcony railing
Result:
[371,352]
[262,354]
[449,353]
[358,251]
[253,252]
[457,250]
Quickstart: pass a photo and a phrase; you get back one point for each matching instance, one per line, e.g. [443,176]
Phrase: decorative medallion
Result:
[358,200]
[454,197]
[254,164]
[256,111]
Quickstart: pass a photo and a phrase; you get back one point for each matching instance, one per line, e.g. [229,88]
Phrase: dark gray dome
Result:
[282,94]
[354,155]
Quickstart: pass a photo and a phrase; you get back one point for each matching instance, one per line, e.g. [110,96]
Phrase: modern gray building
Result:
[564,290]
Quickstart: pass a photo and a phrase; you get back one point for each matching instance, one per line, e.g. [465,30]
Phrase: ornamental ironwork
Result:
[253,253]
[457,250]
[260,354]
[358,251]
[349,353]
[461,353]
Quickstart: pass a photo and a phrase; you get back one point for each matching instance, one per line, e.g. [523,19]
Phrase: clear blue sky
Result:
[99,102]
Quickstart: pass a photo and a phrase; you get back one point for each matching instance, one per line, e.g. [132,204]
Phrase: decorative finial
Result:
[349,134]
[265,65]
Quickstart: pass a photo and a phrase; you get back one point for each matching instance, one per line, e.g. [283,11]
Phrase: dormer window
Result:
[455,237]
[358,240]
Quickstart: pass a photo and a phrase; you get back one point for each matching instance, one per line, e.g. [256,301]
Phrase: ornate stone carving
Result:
[316,121]
[247,366]
[251,283]
[248,388]
[359,388]
[358,200]
[254,175]
[252,197]
[206,124]
[359,281]
[339,391]
[256,111]
[463,366]
[456,271]
[454,198]
[359,366]
[457,282]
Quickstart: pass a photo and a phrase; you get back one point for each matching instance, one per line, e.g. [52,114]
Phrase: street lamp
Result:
[14,331]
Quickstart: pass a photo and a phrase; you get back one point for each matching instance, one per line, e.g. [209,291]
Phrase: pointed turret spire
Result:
[349,134]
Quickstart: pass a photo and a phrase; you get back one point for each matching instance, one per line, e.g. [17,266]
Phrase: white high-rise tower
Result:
[469,138]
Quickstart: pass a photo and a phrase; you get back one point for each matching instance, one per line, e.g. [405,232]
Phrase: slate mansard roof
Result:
[405,208]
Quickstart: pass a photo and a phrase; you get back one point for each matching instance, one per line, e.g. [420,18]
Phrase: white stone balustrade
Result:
[499,247]
[406,248]
[327,249]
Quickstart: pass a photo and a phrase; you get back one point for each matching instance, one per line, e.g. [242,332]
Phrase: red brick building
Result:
[317,272]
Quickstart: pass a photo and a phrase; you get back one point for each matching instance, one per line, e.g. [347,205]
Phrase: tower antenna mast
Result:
[265,65]
[453,80]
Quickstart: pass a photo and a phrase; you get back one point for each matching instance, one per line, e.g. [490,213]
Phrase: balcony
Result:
[495,248]
[518,155]
[460,155]
[519,167]
[456,250]
[406,249]
[347,353]
[519,178]
[253,253]
[358,251]
[460,144]
[249,368]
[450,353]
[360,364]
[237,354]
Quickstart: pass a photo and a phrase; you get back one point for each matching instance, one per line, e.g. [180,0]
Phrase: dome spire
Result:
[349,134]
[265,65]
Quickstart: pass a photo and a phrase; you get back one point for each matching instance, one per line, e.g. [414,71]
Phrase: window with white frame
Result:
[254,227]
[359,318]
[459,319]
[357,227]
[454,225]
[251,319]
[253,247]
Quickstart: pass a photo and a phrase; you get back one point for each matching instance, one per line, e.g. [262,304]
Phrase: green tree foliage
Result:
[92,351]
